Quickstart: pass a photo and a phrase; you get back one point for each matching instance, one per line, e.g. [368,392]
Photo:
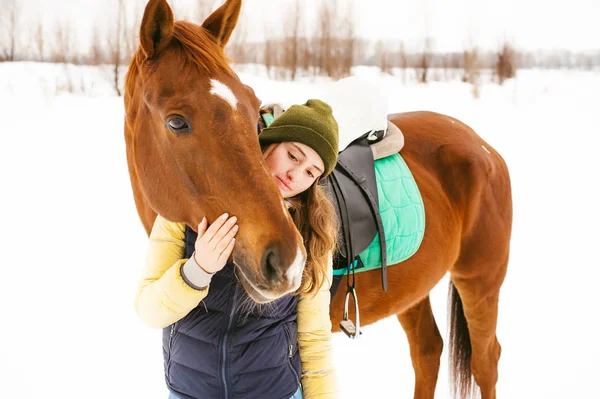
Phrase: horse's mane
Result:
[196,47]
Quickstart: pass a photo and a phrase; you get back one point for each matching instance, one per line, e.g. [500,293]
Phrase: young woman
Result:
[217,346]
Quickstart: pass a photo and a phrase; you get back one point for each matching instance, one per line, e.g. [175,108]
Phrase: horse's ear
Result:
[157,27]
[221,23]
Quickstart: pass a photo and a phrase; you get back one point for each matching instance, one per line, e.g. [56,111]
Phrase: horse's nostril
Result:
[271,266]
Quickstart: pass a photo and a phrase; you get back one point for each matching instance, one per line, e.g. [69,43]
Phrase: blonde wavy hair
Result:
[315,218]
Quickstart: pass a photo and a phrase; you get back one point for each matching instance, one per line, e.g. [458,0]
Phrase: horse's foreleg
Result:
[425,346]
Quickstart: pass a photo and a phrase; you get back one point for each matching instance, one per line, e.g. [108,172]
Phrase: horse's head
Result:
[192,146]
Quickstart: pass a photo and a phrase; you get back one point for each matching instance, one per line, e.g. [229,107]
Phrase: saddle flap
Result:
[353,186]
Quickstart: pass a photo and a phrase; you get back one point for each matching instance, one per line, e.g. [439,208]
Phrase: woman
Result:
[216,346]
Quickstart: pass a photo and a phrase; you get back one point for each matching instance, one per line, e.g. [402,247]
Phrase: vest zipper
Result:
[290,352]
[224,347]
[171,333]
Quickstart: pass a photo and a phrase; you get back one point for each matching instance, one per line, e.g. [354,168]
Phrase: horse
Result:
[192,150]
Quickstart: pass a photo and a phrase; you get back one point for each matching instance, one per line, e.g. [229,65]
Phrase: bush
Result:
[506,64]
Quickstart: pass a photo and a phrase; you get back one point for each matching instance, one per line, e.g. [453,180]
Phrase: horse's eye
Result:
[178,125]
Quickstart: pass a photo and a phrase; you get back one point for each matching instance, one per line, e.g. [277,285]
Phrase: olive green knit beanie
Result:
[311,124]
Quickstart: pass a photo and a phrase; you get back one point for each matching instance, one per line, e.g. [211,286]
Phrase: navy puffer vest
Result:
[226,348]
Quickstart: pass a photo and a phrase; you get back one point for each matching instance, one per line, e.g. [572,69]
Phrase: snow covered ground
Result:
[72,244]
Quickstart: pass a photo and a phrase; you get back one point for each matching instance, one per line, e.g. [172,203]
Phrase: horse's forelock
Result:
[196,47]
[199,49]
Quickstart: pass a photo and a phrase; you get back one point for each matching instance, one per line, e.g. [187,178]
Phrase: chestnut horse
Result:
[190,132]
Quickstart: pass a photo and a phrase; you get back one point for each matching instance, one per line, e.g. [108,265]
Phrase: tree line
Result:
[330,47]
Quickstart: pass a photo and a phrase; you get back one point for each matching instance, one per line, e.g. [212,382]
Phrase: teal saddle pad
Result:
[402,213]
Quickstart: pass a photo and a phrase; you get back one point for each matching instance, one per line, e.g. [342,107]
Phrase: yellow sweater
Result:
[163,298]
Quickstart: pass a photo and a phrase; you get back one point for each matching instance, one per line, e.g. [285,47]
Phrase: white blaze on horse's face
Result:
[294,272]
[220,89]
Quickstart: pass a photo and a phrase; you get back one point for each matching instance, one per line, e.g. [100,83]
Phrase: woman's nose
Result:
[291,175]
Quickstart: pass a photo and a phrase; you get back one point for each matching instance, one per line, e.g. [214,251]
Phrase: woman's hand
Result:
[215,243]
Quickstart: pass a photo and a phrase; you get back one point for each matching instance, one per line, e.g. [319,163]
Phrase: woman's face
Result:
[294,166]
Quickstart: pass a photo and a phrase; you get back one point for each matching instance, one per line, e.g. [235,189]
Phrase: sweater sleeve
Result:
[314,342]
[163,296]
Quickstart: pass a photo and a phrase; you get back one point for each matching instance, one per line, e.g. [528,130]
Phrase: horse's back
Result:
[470,171]
[427,131]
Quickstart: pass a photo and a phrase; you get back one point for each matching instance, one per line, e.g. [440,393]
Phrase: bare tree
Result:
[62,50]
[349,42]
[131,31]
[10,14]
[455,61]
[314,49]
[306,58]
[506,63]
[446,60]
[402,60]
[361,51]
[383,57]
[425,56]
[237,45]
[97,48]
[326,22]
[270,52]
[291,29]
[424,60]
[38,41]
[472,68]
[116,45]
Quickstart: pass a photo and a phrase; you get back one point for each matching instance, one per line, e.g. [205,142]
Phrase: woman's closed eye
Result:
[292,157]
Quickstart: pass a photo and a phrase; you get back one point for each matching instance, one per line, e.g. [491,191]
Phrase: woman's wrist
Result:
[198,264]
[194,275]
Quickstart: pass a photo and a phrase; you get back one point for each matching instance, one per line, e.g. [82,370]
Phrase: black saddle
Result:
[353,187]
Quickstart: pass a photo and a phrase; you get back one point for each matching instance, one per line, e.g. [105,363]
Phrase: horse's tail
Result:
[459,348]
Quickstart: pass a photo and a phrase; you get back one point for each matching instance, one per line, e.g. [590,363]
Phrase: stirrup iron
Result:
[347,326]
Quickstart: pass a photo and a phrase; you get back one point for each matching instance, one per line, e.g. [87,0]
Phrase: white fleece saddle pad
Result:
[359,105]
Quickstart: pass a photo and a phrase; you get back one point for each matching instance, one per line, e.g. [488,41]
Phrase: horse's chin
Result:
[258,295]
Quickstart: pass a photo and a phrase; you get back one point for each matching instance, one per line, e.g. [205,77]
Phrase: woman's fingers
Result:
[215,243]
[202,227]
[214,227]
[227,252]
[223,231]
[224,243]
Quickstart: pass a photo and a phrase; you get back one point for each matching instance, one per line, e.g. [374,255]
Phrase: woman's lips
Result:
[282,183]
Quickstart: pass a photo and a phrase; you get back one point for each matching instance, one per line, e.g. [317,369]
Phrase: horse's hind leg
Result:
[425,346]
[479,296]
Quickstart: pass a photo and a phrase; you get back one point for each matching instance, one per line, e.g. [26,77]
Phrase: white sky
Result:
[529,24]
